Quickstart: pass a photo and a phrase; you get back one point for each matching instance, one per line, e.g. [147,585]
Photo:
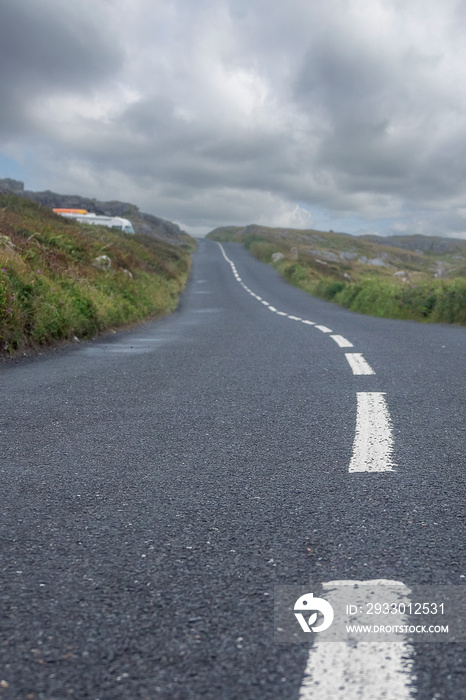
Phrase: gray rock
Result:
[6,241]
[102,262]
[378,262]
[326,255]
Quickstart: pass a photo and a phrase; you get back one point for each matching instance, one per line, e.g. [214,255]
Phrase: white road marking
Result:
[356,361]
[360,670]
[358,364]
[341,341]
[373,441]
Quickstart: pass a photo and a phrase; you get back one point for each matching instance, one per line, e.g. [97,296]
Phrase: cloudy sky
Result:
[335,114]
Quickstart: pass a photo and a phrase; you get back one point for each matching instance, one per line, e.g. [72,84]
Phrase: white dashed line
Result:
[373,441]
[341,341]
[356,361]
[360,670]
[358,364]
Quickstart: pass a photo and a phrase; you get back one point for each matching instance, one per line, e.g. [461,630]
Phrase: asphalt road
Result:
[159,484]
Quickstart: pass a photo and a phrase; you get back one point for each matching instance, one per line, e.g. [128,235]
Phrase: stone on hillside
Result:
[277,256]
[102,262]
[5,240]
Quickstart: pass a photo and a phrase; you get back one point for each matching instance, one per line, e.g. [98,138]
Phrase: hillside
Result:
[61,280]
[147,224]
[411,277]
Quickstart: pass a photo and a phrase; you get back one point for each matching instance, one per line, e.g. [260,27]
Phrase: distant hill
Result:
[143,223]
[342,256]
[419,242]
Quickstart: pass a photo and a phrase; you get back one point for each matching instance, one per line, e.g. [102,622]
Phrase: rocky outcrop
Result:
[9,185]
[147,224]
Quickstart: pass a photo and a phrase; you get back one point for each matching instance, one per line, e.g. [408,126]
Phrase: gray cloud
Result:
[46,48]
[233,111]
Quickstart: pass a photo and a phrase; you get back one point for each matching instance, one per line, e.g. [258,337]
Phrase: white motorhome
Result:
[97,220]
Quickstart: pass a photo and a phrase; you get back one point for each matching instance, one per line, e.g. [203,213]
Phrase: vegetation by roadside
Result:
[61,280]
[424,279]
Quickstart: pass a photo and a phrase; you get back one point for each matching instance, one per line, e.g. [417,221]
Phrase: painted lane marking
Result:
[356,361]
[360,670]
[358,364]
[373,441]
[341,341]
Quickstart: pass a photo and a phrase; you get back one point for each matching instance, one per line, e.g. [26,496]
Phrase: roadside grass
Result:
[362,275]
[52,289]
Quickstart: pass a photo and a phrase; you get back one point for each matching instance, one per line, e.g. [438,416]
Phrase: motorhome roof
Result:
[70,211]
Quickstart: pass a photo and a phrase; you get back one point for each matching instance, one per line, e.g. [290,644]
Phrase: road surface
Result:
[161,486]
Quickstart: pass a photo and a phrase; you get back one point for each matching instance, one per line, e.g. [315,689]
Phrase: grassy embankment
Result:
[366,276]
[51,288]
